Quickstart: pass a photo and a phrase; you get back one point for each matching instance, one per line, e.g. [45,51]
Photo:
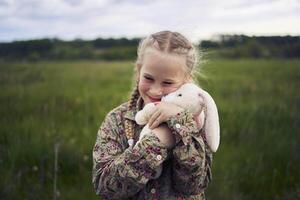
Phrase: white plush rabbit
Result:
[199,103]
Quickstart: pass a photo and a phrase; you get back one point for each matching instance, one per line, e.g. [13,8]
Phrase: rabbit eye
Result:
[179,95]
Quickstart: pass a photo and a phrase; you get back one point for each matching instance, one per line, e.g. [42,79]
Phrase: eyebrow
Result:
[170,80]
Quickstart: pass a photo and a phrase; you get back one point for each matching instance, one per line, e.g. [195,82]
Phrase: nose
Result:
[156,91]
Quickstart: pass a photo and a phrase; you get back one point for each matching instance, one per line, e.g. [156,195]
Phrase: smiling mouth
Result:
[154,99]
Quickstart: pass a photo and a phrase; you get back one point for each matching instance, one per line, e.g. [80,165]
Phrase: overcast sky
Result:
[197,19]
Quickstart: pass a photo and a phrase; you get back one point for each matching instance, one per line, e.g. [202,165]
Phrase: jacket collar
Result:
[130,114]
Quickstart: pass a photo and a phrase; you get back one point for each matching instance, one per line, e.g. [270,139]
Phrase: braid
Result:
[128,124]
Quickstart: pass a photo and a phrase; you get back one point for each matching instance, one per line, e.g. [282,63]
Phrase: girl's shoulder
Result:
[119,111]
[122,112]
[121,108]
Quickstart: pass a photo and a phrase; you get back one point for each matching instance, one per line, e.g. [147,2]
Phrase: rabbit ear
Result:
[211,124]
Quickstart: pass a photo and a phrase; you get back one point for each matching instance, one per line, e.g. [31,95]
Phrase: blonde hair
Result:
[167,42]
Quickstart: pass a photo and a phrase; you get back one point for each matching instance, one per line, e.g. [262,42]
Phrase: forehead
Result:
[163,64]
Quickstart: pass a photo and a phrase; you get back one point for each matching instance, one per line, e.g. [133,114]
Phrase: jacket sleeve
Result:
[191,162]
[118,172]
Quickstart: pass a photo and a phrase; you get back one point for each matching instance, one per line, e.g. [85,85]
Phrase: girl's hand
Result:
[162,112]
[165,136]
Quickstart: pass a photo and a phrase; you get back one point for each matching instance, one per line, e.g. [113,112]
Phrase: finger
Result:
[156,122]
[153,117]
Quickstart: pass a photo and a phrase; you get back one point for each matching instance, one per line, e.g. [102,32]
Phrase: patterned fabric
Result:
[120,172]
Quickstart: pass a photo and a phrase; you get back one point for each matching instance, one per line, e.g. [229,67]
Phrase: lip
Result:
[153,99]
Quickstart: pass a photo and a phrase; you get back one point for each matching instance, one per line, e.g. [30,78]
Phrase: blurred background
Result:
[65,63]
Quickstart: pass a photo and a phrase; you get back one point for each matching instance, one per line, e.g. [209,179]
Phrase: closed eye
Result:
[168,83]
[148,78]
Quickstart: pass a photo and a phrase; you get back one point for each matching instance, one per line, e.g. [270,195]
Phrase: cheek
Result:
[143,86]
[170,89]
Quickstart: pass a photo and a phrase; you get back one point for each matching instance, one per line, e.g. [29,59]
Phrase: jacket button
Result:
[158,157]
[177,126]
[153,190]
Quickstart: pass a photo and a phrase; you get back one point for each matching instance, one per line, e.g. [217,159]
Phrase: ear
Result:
[137,76]
[138,67]
[211,126]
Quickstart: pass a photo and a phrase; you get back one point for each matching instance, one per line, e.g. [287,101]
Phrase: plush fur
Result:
[199,103]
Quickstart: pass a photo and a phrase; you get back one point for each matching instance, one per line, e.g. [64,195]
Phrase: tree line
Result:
[46,49]
[228,46]
[237,46]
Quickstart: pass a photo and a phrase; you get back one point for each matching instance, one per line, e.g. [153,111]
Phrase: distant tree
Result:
[209,44]
[236,46]
[105,43]
[23,49]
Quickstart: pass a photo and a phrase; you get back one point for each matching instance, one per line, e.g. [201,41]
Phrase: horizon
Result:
[130,38]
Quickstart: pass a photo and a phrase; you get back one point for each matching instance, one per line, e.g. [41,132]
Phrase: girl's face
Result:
[160,75]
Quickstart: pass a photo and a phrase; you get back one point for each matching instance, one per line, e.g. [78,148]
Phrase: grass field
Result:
[62,104]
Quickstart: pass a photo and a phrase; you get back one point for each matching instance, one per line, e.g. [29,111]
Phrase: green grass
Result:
[46,103]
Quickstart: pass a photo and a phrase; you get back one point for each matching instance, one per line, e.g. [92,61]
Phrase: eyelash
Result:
[150,79]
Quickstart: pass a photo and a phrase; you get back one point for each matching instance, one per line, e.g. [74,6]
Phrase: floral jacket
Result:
[121,172]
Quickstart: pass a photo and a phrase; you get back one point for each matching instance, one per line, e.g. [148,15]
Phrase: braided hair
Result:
[128,124]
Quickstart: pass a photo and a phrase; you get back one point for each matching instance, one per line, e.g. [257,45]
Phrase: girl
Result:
[122,170]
